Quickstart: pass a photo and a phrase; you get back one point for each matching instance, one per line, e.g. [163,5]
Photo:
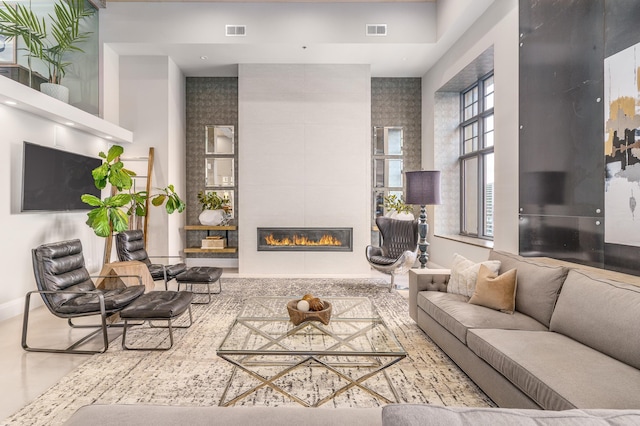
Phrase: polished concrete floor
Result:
[25,375]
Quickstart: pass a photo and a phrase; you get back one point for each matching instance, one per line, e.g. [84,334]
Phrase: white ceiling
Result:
[192,33]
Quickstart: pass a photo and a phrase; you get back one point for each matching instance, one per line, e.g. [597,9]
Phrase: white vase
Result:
[55,91]
[404,216]
[211,217]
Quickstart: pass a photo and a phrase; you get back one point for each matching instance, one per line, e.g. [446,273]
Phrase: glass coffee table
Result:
[355,347]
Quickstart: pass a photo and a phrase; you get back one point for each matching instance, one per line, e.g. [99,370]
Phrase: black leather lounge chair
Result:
[68,292]
[130,246]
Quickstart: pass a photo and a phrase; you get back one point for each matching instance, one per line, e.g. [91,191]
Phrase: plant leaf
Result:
[92,200]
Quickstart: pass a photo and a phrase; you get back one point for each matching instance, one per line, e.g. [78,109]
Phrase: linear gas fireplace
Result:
[305,239]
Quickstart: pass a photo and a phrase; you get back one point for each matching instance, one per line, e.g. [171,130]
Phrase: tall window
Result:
[476,159]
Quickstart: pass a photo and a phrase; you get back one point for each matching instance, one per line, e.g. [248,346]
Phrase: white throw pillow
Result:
[464,274]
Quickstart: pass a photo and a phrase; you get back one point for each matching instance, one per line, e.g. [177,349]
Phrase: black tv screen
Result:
[54,180]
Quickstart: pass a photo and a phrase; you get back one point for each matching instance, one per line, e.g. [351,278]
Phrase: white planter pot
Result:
[211,217]
[55,91]
[404,216]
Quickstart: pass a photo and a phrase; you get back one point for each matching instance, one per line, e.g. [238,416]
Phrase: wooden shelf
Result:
[210,228]
[201,250]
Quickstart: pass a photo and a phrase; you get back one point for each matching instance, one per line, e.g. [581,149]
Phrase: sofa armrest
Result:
[425,280]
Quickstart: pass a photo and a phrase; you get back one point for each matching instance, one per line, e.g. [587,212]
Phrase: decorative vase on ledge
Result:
[56,91]
[212,217]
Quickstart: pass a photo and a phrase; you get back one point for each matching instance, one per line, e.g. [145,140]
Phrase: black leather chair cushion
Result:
[113,300]
[200,274]
[381,260]
[158,305]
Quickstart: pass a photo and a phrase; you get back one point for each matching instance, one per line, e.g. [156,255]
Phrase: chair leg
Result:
[71,349]
[392,282]
[169,326]
[208,292]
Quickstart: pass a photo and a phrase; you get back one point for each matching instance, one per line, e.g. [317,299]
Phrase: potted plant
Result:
[397,209]
[51,46]
[112,213]
[214,208]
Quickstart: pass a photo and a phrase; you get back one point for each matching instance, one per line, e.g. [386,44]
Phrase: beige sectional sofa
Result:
[572,342]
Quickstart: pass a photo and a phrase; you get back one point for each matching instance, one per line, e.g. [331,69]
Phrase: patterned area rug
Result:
[191,373]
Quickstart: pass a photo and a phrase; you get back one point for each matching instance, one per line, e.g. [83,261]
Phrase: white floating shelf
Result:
[34,102]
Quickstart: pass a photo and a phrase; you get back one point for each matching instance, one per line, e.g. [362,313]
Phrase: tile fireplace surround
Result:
[305,239]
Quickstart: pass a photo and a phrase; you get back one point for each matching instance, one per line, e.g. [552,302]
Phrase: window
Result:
[476,159]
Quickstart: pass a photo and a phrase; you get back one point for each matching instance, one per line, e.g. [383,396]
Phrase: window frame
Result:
[480,153]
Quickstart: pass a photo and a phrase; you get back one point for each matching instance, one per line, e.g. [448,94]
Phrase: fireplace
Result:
[305,239]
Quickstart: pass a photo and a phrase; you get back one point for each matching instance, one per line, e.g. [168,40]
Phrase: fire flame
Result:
[326,240]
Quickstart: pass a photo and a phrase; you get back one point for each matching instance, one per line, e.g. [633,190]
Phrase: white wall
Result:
[152,103]
[498,26]
[22,232]
[304,161]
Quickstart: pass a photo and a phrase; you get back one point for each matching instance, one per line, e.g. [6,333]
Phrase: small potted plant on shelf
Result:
[397,209]
[215,208]
[48,41]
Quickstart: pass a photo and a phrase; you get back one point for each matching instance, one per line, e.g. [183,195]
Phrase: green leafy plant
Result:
[50,47]
[112,213]
[212,201]
[392,202]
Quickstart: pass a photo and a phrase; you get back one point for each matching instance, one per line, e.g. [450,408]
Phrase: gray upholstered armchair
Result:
[399,248]
[68,292]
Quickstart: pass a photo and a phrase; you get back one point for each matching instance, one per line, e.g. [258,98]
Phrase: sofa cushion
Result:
[456,315]
[423,415]
[496,291]
[464,273]
[538,284]
[557,372]
[602,314]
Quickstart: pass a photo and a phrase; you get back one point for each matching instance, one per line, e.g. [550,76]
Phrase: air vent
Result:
[376,29]
[235,30]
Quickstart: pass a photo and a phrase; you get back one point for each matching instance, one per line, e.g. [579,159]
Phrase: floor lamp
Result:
[423,188]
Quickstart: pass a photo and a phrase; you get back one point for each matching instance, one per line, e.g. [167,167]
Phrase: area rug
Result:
[192,374]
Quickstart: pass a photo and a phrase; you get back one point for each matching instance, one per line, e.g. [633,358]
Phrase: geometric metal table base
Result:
[354,347]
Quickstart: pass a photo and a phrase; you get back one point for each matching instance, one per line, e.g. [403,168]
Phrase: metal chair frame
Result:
[169,325]
[189,286]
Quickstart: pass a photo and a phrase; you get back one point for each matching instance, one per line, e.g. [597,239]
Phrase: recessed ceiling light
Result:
[70,123]
[11,102]
[204,58]
[108,137]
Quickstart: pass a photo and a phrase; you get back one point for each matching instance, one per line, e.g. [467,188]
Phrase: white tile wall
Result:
[304,161]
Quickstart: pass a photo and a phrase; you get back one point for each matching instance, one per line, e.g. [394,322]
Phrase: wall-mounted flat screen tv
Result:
[54,180]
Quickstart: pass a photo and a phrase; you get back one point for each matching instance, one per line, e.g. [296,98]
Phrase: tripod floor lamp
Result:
[423,188]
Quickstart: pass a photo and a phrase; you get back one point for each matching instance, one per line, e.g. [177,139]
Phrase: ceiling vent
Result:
[235,30]
[376,29]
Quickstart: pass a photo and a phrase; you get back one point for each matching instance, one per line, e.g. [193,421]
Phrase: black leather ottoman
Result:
[196,275]
[157,306]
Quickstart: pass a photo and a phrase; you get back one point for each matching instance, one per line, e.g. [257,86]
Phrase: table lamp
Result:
[423,188]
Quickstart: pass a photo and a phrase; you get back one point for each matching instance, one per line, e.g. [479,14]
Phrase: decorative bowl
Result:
[298,317]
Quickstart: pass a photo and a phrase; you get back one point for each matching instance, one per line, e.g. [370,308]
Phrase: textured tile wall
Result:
[210,101]
[398,102]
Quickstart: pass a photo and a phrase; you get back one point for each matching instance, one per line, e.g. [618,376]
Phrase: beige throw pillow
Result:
[464,274]
[496,291]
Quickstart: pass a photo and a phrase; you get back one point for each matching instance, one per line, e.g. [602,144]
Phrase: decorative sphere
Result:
[308,297]
[303,306]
